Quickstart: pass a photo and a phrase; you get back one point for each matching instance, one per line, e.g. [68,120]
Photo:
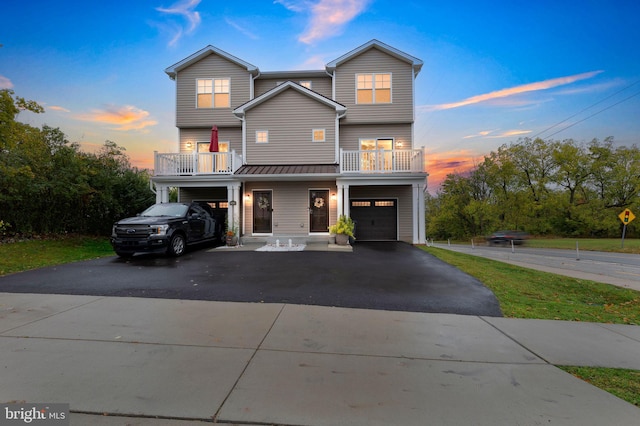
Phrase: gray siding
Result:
[290,206]
[320,85]
[376,61]
[404,195]
[213,66]
[290,117]
[350,135]
[193,135]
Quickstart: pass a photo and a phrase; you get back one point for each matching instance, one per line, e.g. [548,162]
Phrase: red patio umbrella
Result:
[213,146]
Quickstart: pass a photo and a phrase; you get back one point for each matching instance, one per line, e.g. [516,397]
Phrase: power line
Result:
[595,113]
[587,108]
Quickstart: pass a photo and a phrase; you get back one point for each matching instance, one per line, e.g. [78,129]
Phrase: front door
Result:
[262,209]
[319,210]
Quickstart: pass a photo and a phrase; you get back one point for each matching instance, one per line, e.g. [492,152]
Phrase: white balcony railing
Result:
[226,163]
[196,163]
[382,161]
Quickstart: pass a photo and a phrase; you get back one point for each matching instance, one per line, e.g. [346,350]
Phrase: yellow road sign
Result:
[626,216]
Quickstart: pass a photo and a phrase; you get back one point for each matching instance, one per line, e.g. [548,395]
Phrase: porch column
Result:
[162,194]
[236,208]
[345,207]
[340,199]
[419,233]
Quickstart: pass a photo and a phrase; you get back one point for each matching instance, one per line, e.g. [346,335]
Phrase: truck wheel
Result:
[176,245]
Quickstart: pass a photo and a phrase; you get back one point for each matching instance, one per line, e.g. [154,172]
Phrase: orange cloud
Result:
[58,108]
[525,88]
[125,117]
[439,165]
[328,17]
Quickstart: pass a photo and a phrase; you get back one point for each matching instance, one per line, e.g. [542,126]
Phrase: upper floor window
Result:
[262,136]
[213,93]
[373,88]
[306,83]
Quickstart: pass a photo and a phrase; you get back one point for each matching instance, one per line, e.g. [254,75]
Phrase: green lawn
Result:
[37,253]
[595,244]
[624,384]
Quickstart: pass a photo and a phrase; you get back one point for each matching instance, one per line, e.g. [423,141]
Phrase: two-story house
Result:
[296,149]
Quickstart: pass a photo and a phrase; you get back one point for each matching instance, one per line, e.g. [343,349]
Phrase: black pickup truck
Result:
[166,227]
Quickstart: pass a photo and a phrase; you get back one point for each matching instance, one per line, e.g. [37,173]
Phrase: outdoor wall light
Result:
[333,197]
[189,145]
[247,197]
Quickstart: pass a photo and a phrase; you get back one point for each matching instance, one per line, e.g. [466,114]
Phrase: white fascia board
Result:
[241,110]
[172,71]
[415,62]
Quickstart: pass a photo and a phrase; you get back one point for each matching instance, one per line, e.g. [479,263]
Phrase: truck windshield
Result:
[173,210]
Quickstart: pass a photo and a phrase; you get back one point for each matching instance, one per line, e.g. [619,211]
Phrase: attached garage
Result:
[376,219]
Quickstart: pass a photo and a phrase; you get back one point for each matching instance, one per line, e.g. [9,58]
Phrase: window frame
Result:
[373,81]
[313,135]
[258,138]
[306,83]
[213,86]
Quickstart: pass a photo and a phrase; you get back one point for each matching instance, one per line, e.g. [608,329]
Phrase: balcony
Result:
[227,163]
[382,161]
[196,163]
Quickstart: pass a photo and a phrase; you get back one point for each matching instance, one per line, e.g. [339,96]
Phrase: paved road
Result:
[620,269]
[387,276]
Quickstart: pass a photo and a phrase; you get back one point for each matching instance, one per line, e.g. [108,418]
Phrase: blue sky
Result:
[494,71]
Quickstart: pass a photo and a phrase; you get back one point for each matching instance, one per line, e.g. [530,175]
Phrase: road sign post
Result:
[625,217]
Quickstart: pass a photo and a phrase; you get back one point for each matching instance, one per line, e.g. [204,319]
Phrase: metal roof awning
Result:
[294,171]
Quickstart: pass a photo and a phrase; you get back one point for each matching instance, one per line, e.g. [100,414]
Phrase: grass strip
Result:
[37,253]
[527,293]
[625,384]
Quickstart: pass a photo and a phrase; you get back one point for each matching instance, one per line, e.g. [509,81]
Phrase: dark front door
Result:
[262,208]
[319,210]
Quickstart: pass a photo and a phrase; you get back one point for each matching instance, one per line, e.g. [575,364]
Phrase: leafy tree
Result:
[47,185]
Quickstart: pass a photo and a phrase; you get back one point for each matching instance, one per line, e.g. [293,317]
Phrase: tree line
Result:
[47,185]
[544,187]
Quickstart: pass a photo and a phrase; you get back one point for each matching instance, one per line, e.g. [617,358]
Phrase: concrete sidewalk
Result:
[133,361]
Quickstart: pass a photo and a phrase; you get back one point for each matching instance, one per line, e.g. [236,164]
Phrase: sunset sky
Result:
[494,71]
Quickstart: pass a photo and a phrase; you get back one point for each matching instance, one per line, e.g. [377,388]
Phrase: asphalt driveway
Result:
[384,276]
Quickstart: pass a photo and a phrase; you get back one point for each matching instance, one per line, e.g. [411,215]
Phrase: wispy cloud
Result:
[241,28]
[494,134]
[186,10]
[328,17]
[124,118]
[5,83]
[517,90]
[58,108]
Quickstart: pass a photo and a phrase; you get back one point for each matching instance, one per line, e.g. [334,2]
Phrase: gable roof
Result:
[415,62]
[172,71]
[240,111]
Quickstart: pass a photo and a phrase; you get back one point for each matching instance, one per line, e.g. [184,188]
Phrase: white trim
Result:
[172,71]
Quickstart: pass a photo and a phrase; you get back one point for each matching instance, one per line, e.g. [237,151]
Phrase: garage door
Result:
[376,219]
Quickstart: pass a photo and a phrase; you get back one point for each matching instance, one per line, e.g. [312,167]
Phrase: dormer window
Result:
[213,93]
[373,88]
